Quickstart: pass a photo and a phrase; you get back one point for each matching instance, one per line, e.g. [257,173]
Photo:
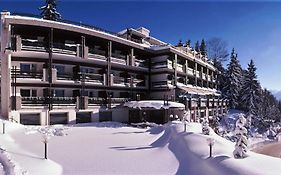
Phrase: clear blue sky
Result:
[252,28]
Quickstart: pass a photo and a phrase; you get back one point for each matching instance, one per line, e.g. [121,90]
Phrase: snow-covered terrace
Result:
[156,104]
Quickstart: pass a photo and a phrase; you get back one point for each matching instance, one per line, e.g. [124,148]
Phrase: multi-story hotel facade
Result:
[61,72]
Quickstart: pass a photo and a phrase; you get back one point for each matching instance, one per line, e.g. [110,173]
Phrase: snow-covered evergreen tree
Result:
[268,112]
[241,138]
[203,48]
[251,90]
[49,10]
[205,126]
[233,83]
[221,79]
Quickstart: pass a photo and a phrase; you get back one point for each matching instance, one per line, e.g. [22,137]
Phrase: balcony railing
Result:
[26,74]
[190,71]
[36,45]
[65,77]
[179,67]
[90,77]
[121,81]
[65,48]
[32,44]
[141,63]
[43,101]
[101,101]
[118,60]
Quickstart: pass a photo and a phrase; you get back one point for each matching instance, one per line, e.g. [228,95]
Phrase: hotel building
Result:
[65,72]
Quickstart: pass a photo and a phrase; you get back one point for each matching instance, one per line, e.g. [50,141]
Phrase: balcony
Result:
[44,101]
[141,63]
[97,54]
[180,68]
[190,71]
[120,81]
[103,101]
[118,60]
[159,84]
[204,76]
[37,45]
[27,74]
[32,44]
[209,77]
[197,74]
[67,77]
[63,48]
[203,103]
[92,78]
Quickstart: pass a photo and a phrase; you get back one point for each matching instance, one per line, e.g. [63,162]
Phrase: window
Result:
[25,92]
[60,69]
[25,67]
[28,93]
[59,93]
[34,93]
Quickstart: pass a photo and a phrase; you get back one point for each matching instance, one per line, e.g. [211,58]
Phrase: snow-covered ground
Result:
[114,148]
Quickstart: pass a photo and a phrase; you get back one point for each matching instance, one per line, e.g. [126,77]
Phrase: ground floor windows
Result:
[30,119]
[58,118]
[83,117]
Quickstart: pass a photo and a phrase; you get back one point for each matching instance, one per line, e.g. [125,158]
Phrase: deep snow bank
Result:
[192,151]
[17,161]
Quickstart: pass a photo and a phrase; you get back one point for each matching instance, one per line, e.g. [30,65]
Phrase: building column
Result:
[132,57]
[195,69]
[207,77]
[5,67]
[109,51]
[202,71]
[175,69]
[186,70]
[212,79]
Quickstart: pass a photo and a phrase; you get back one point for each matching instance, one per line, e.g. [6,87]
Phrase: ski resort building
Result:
[65,72]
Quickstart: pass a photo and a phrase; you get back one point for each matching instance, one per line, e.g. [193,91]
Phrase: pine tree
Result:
[241,138]
[188,43]
[251,90]
[221,79]
[268,112]
[233,81]
[180,43]
[49,10]
[203,48]
[197,46]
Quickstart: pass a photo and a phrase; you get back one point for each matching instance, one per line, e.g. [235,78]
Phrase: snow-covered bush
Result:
[205,126]
[241,138]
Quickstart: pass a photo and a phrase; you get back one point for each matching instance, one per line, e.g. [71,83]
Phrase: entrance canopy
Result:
[156,104]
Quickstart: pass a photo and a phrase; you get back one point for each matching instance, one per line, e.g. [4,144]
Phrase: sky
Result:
[253,28]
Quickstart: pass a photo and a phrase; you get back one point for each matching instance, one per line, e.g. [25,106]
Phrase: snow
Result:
[115,148]
[157,104]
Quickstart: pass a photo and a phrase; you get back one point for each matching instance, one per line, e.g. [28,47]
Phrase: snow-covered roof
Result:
[157,104]
[197,90]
